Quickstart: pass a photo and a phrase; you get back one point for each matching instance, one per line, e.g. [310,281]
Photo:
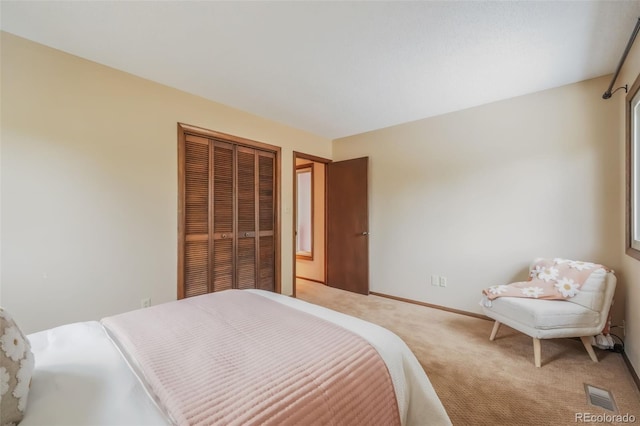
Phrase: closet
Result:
[227,233]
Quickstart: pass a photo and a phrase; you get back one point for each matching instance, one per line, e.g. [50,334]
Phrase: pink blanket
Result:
[548,279]
[237,358]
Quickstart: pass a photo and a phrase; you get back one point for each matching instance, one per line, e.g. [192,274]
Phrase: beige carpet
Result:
[491,383]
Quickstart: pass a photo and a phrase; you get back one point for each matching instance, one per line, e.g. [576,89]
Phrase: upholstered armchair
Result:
[583,315]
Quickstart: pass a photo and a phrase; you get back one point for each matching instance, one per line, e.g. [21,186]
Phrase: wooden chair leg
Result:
[536,352]
[586,341]
[496,327]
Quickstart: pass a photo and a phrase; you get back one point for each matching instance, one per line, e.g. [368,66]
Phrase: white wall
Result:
[475,195]
[89,184]
[630,269]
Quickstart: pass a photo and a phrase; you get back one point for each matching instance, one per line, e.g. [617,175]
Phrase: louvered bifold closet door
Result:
[247,214]
[227,231]
[223,259]
[196,226]
[266,222]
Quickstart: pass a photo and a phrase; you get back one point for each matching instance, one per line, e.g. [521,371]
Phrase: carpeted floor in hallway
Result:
[490,383]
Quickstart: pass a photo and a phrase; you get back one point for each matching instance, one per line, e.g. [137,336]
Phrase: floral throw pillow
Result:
[16,367]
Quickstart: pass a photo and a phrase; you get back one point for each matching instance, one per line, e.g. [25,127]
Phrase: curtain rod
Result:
[608,93]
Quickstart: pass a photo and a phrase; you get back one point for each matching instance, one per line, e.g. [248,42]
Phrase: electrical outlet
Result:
[145,303]
[435,280]
[443,281]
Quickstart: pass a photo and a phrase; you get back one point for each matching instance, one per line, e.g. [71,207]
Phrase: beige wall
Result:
[89,181]
[630,268]
[475,195]
[89,184]
[314,269]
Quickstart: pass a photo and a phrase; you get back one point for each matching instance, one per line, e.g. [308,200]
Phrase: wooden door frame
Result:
[183,130]
[316,159]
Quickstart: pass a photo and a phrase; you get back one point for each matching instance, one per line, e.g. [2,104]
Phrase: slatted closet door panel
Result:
[196,246]
[266,223]
[246,231]
[223,216]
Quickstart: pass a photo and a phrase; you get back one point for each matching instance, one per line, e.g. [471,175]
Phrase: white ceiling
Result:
[340,68]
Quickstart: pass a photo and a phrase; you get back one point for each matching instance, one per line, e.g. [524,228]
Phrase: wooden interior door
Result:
[348,225]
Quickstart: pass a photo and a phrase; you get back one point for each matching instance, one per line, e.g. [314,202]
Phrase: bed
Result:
[168,364]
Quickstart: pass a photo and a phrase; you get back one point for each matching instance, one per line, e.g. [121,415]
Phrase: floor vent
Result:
[600,398]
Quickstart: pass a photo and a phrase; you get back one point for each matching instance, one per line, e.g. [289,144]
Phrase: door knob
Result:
[365,233]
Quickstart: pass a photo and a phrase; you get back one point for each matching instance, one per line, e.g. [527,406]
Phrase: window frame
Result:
[632,141]
[305,168]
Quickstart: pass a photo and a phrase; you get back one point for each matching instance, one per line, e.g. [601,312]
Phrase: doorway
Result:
[331,230]
[309,219]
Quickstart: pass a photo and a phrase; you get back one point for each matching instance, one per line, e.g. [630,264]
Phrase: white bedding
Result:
[81,378]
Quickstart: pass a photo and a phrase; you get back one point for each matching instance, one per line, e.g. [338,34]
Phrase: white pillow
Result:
[16,368]
[591,294]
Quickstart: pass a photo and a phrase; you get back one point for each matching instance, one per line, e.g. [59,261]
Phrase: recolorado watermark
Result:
[604,418]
